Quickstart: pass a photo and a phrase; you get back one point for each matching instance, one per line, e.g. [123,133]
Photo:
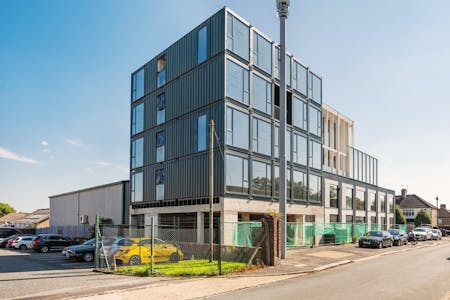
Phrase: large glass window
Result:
[315,88]
[161,71]
[137,85]
[160,179]
[347,195]
[315,121]
[299,113]
[201,133]
[277,66]
[262,53]
[299,149]
[277,143]
[202,52]
[137,119]
[372,202]
[315,188]
[137,187]
[299,185]
[237,174]
[390,201]
[333,193]
[262,178]
[382,203]
[237,128]
[238,37]
[237,82]
[262,94]
[262,137]
[160,109]
[137,153]
[300,77]
[315,155]
[360,200]
[160,146]
[276,175]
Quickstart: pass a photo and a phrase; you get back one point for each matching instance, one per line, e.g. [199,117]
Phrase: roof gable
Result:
[413,201]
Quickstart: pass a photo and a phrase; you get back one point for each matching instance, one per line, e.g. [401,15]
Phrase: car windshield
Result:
[435,230]
[89,242]
[419,229]
[394,231]
[374,233]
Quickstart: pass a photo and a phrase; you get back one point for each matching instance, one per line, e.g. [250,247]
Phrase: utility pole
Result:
[211,189]
[283,8]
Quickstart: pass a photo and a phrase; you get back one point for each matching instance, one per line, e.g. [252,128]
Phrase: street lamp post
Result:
[283,10]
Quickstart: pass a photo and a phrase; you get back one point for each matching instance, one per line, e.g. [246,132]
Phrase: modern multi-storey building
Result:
[226,70]
[352,194]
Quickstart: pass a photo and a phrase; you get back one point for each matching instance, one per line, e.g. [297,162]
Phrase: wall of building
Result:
[66,209]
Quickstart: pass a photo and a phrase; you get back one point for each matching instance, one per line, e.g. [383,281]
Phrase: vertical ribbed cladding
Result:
[186,169]
[182,55]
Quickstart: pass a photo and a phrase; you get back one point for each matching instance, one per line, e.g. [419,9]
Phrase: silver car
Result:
[437,234]
[423,233]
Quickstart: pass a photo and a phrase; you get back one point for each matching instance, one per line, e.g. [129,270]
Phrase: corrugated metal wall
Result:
[182,55]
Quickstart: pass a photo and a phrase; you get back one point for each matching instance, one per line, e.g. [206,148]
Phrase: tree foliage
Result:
[422,218]
[399,216]
[6,209]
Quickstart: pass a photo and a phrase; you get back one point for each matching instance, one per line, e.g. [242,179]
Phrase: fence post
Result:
[219,256]
[152,245]
[97,231]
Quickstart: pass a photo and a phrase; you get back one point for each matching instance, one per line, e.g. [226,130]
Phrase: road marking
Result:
[335,264]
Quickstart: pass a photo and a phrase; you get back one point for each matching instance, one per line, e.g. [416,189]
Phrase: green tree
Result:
[422,218]
[6,209]
[399,216]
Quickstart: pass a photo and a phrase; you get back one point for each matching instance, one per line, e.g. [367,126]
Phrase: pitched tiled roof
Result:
[443,213]
[12,217]
[35,217]
[413,201]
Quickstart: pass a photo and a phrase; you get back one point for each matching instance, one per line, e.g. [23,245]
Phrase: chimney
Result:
[443,206]
[404,192]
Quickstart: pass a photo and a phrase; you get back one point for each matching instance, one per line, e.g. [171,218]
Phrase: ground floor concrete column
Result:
[148,221]
[229,222]
[200,227]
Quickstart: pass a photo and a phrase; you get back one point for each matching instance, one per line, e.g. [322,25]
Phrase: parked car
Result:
[443,231]
[110,247]
[11,241]
[5,241]
[400,237]
[8,231]
[140,252]
[23,242]
[378,239]
[436,234]
[47,242]
[423,233]
[85,251]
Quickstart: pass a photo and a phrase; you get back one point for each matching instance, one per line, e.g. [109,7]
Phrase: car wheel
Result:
[44,249]
[135,260]
[88,257]
[174,257]
[23,247]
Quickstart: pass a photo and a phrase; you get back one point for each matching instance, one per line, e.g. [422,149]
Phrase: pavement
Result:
[299,262]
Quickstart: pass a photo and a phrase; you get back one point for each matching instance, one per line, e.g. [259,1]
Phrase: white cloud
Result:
[44,143]
[45,150]
[7,154]
[76,142]
[99,164]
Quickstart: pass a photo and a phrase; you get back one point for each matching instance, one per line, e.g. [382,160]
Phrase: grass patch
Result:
[191,267]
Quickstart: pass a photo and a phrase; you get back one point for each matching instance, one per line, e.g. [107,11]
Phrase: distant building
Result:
[35,220]
[7,220]
[444,217]
[74,213]
[412,204]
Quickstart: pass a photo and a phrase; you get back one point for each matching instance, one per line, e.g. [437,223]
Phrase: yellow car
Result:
[140,252]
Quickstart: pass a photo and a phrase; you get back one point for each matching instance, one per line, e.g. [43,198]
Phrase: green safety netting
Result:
[299,234]
[403,227]
[359,230]
[243,233]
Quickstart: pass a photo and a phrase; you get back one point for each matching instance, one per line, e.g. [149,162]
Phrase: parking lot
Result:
[32,274]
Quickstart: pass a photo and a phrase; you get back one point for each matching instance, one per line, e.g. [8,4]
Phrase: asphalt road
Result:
[27,273]
[418,274]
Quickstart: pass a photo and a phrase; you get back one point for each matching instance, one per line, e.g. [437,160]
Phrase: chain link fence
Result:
[313,234]
[164,249]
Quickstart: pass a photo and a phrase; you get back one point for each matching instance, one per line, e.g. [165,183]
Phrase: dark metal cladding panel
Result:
[216,33]
[150,76]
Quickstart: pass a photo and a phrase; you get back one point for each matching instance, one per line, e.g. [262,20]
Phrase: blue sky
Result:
[65,77]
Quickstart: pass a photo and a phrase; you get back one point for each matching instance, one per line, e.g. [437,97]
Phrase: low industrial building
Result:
[74,213]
